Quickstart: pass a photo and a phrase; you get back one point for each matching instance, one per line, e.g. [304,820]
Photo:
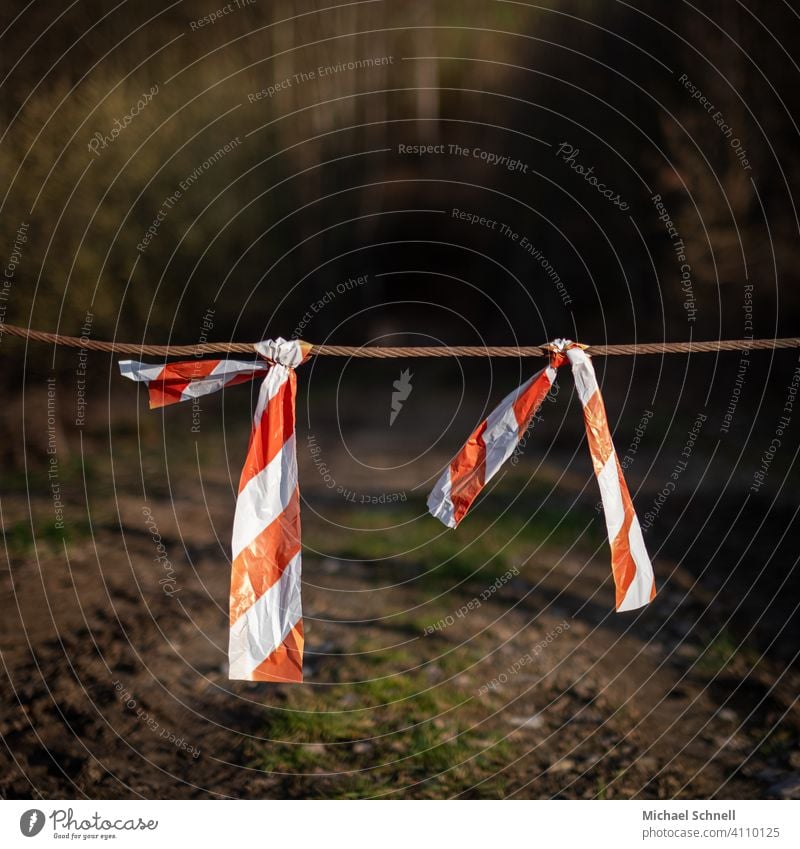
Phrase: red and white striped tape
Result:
[495,439]
[175,382]
[489,446]
[266,625]
[630,564]
[266,637]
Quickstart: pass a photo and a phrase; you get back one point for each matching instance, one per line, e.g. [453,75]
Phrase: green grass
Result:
[395,733]
[35,480]
[485,546]
[20,537]
[722,652]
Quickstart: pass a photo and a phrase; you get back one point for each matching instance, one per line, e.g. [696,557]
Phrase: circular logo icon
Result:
[31,822]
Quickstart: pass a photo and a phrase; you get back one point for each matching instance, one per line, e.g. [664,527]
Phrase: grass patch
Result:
[486,545]
[20,536]
[393,734]
[37,480]
[723,652]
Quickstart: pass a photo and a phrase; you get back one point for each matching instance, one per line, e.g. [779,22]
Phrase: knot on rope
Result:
[559,345]
[558,349]
[289,353]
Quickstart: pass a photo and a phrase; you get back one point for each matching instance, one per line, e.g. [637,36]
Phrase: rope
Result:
[389,352]
[542,351]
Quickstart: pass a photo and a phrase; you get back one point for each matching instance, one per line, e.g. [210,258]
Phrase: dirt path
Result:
[116,683]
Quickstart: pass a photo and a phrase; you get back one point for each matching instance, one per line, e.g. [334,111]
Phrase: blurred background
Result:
[401,173]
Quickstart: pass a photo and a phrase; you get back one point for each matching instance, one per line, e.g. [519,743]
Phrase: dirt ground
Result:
[482,663]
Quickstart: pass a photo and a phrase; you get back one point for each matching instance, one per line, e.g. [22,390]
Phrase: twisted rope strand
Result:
[390,352]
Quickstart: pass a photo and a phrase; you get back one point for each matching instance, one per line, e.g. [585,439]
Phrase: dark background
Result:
[317,192]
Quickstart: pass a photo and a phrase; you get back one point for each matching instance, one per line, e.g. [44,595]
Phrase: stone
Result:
[534,721]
